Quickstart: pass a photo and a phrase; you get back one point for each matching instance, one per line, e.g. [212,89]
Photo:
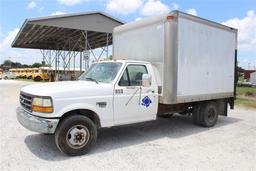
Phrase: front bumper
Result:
[36,124]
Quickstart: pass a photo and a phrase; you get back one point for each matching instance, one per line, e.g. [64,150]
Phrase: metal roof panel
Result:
[58,32]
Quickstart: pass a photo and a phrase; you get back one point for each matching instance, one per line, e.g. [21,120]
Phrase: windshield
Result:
[102,72]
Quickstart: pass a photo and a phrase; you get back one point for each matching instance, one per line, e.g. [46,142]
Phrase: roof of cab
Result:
[124,61]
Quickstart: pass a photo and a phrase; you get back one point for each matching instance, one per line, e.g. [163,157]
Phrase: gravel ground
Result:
[165,144]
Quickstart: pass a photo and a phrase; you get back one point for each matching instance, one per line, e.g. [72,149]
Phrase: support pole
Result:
[86,56]
[50,58]
[56,60]
[107,46]
[81,61]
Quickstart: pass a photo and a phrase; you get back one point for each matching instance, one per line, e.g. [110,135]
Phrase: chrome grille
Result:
[26,101]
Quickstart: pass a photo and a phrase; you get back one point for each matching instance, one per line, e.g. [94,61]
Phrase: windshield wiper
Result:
[92,79]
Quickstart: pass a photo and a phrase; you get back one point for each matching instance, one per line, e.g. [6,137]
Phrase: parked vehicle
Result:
[13,70]
[8,75]
[19,72]
[41,74]
[175,63]
[23,73]
[31,74]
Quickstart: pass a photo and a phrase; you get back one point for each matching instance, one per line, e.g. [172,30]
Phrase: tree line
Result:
[10,64]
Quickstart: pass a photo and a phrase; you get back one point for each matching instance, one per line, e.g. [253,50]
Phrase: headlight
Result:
[40,104]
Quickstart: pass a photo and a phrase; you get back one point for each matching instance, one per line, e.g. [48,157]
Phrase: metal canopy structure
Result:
[53,32]
[61,38]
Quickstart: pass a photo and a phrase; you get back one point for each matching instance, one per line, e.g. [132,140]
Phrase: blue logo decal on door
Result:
[146,101]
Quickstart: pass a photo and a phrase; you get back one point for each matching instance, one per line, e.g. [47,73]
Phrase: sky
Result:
[240,14]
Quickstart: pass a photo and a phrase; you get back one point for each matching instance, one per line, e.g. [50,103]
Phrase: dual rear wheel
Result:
[206,114]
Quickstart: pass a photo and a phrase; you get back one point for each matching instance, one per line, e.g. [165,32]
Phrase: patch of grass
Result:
[28,80]
[245,102]
[246,97]
[244,90]
[23,79]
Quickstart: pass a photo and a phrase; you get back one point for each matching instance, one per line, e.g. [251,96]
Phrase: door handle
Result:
[130,87]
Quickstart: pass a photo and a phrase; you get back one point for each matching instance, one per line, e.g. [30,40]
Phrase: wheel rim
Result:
[211,115]
[77,136]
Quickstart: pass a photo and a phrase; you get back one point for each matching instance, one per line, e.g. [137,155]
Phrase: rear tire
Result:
[208,114]
[196,113]
[75,135]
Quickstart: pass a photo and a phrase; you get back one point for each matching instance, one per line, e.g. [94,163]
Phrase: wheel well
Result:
[85,112]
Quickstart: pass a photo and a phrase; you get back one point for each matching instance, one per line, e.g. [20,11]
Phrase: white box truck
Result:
[173,63]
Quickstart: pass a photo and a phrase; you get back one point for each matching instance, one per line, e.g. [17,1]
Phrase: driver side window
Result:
[132,75]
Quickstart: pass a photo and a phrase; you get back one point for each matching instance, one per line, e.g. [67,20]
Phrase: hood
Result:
[69,89]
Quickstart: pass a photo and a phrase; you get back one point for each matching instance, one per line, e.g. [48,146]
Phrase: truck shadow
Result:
[43,146]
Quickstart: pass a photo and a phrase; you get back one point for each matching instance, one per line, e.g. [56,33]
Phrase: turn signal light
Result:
[42,109]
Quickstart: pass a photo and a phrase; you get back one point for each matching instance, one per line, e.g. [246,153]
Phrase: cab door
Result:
[133,102]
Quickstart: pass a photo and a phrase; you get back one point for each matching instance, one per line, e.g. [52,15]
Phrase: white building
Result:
[253,78]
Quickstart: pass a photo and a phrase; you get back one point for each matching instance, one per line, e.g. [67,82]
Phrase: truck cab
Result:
[110,93]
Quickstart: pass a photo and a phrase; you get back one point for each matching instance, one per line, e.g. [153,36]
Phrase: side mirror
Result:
[146,80]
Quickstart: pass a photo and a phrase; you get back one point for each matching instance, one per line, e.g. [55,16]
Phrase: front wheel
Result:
[37,78]
[76,135]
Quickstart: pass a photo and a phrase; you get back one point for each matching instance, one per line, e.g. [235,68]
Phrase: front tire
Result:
[37,78]
[75,135]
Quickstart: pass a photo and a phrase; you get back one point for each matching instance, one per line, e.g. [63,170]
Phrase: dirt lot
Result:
[166,144]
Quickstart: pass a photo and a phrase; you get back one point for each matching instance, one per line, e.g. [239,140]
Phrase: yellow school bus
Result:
[33,73]
[41,74]
[28,72]
[20,72]
[23,73]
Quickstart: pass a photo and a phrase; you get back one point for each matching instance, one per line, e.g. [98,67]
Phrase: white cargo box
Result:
[194,58]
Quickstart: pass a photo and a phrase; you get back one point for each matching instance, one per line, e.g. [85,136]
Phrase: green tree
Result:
[36,65]
[7,63]
[239,69]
